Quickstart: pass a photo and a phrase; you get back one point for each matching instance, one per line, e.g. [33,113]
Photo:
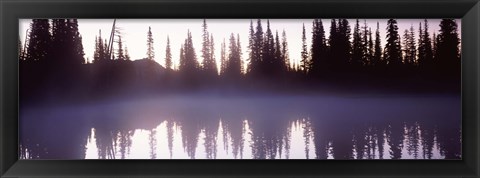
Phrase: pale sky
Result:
[134,33]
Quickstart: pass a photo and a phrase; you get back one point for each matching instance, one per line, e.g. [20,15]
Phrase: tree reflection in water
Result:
[410,141]
[303,134]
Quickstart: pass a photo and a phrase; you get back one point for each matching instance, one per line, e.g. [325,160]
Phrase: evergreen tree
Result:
[428,45]
[304,61]
[212,54]
[344,51]
[421,47]
[150,50]
[279,60]
[239,51]
[76,40]
[66,43]
[285,57]
[205,43]
[448,52]
[105,48]
[411,50]
[100,54]
[168,55]
[319,48]
[39,40]
[334,46]
[59,37]
[120,54]
[127,56]
[357,51]
[268,56]
[182,64]
[365,57]
[58,40]
[233,68]
[425,51]
[96,53]
[223,58]
[370,52]
[405,47]
[251,48]
[209,66]
[190,63]
[377,57]
[393,53]
[401,54]
[434,46]
[20,51]
[409,47]
[257,59]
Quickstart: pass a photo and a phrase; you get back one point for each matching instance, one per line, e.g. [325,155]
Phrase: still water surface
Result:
[295,127]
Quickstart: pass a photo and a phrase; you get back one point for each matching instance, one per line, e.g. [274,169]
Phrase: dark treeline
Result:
[52,60]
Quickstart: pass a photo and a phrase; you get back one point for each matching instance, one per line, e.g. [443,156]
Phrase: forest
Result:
[52,63]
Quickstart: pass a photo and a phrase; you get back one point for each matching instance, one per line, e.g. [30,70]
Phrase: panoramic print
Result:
[240,89]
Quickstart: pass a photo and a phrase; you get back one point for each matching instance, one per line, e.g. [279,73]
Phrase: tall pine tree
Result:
[268,52]
[251,49]
[223,58]
[239,51]
[425,51]
[344,50]
[189,65]
[370,52]
[409,48]
[365,57]
[358,46]
[304,62]
[127,56]
[448,52]
[212,54]
[377,57]
[168,55]
[150,50]
[67,48]
[393,53]
[59,37]
[285,56]
[279,60]
[421,48]
[182,63]
[20,50]
[257,59]
[318,49]
[209,66]
[39,40]
[334,46]
[434,45]
[233,68]
[100,53]
[120,54]
[428,45]
[76,41]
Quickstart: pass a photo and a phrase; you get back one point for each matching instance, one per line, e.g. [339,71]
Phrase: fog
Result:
[65,130]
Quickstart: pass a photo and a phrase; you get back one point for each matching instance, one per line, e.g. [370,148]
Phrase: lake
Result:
[310,126]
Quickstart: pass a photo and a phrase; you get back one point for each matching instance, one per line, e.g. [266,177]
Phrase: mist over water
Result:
[277,126]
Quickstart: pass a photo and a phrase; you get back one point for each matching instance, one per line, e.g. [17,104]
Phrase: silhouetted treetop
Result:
[392,53]
[39,40]
[150,49]
[168,56]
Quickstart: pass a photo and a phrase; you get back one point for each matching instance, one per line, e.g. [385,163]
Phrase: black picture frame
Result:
[12,10]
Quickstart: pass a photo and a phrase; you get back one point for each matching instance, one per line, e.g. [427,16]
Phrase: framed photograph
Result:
[239,88]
